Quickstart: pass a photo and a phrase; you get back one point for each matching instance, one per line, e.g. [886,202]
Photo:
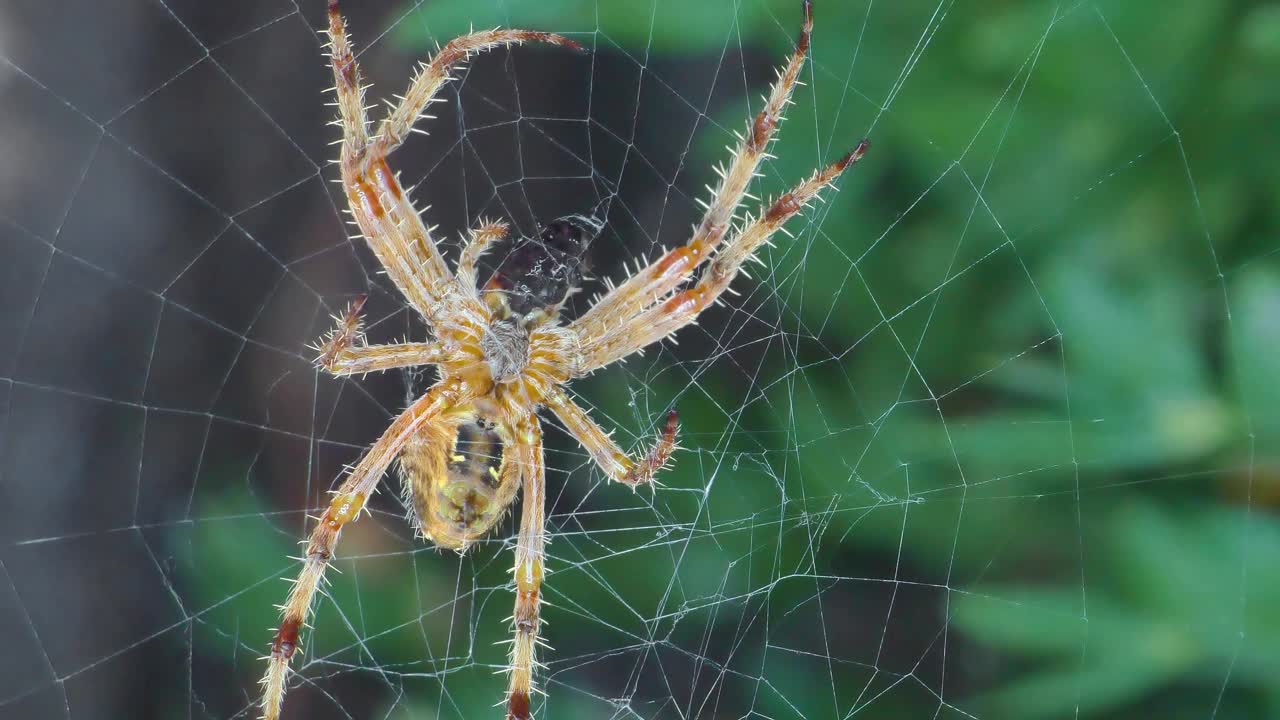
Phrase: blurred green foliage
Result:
[1038,337]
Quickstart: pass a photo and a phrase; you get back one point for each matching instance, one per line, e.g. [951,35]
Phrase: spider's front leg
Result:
[348,501]
[376,199]
[648,286]
[683,308]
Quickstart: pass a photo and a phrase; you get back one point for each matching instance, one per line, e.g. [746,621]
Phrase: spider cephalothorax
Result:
[472,441]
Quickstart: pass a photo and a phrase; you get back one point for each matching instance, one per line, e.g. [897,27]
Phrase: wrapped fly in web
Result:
[472,442]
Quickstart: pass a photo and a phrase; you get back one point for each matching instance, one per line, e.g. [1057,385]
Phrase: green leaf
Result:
[1254,347]
[1175,591]
[665,27]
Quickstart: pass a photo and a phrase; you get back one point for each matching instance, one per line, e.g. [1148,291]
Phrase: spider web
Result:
[991,436]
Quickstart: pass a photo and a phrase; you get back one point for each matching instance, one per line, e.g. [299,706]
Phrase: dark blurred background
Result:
[994,436]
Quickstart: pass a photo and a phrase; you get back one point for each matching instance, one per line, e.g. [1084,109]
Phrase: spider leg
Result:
[379,203]
[605,452]
[343,351]
[347,85]
[648,286]
[374,196]
[348,500]
[683,308]
[528,571]
[481,237]
[373,358]
[433,74]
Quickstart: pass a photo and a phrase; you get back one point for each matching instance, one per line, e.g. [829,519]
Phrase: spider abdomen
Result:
[458,487]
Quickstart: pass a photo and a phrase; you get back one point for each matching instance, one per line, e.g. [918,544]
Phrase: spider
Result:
[471,441]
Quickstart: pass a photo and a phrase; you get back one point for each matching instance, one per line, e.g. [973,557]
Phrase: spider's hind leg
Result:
[348,501]
[529,571]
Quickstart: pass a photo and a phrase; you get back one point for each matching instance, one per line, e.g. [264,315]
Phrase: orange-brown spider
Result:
[474,438]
